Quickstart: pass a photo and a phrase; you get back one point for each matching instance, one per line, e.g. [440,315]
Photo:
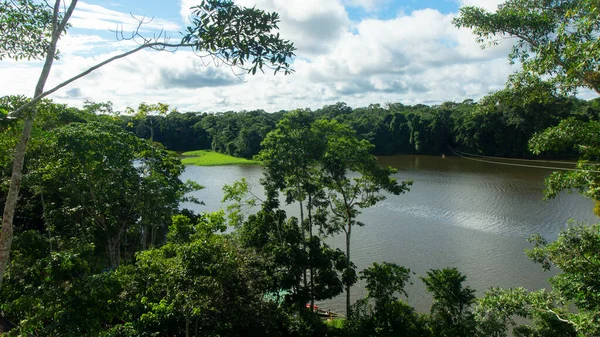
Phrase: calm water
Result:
[459,213]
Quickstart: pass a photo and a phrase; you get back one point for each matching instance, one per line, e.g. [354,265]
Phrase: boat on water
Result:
[325,314]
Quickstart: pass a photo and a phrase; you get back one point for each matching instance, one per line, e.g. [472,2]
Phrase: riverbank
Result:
[211,158]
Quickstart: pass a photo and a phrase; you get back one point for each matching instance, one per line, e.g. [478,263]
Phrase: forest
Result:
[94,242]
[500,124]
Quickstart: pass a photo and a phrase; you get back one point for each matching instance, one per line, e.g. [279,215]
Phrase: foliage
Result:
[238,134]
[237,35]
[500,124]
[210,158]
[228,33]
[109,183]
[450,310]
[241,200]
[310,162]
[579,136]
[486,127]
[205,285]
[557,40]
[145,115]
[389,316]
[571,308]
[55,288]
[26,29]
[385,280]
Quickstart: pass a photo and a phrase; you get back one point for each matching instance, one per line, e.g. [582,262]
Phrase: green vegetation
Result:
[500,124]
[100,247]
[211,158]
[336,323]
[242,38]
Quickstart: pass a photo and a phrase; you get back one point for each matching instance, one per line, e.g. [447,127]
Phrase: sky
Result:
[359,52]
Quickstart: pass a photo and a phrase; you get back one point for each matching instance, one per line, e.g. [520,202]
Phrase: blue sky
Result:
[354,51]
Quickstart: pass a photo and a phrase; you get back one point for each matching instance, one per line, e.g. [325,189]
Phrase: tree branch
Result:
[153,45]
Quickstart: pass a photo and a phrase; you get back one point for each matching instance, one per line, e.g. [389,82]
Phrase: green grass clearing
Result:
[337,323]
[211,158]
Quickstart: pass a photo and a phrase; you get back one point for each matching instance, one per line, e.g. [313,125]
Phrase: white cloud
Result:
[368,5]
[490,5]
[311,24]
[79,43]
[413,58]
[185,9]
[95,17]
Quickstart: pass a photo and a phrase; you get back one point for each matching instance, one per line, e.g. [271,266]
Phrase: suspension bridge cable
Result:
[519,165]
[518,159]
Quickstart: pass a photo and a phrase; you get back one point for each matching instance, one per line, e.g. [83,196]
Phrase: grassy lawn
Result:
[211,158]
[337,323]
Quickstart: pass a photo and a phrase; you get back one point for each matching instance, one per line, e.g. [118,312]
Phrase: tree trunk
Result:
[153,232]
[303,239]
[144,238]
[348,233]
[113,252]
[6,236]
[151,131]
[312,269]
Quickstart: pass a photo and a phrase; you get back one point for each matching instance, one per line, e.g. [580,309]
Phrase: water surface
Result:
[459,213]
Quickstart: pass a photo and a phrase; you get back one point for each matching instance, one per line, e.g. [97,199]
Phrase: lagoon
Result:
[472,215]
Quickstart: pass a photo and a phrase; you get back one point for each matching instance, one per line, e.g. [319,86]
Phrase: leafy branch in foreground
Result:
[557,41]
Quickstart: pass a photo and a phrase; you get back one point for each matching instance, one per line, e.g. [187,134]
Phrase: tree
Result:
[229,34]
[570,308]
[99,178]
[314,161]
[558,41]
[344,156]
[451,301]
[389,316]
[24,29]
[146,115]
[289,156]
[580,137]
[201,283]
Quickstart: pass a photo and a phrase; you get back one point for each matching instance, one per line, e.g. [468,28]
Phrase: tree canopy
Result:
[557,41]
[227,33]
[25,25]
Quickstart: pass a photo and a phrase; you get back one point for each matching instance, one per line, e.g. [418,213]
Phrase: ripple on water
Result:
[480,221]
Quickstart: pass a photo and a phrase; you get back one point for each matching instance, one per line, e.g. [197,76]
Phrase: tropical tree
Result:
[450,314]
[570,308]
[221,30]
[389,316]
[557,40]
[345,156]
[577,136]
[104,181]
[146,114]
[198,283]
[289,157]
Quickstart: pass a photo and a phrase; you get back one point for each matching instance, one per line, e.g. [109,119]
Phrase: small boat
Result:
[325,314]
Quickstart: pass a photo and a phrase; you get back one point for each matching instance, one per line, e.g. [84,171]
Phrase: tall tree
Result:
[146,114]
[558,41]
[99,178]
[289,156]
[314,162]
[344,157]
[221,30]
